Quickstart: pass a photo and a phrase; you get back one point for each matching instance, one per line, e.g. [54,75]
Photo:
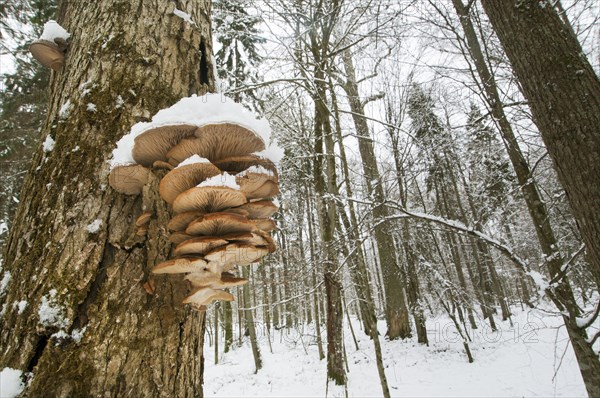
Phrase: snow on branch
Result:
[540,281]
[586,322]
[458,226]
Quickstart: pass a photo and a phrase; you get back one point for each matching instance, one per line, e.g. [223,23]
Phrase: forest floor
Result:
[530,358]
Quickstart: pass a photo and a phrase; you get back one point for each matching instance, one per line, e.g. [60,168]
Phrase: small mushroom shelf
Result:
[49,49]
[220,190]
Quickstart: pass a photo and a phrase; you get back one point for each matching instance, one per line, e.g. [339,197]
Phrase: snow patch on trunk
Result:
[11,382]
[65,110]
[48,144]
[20,306]
[4,282]
[94,226]
[50,312]
[184,15]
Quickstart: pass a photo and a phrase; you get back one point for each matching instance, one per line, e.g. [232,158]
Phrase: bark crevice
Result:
[81,317]
[40,346]
[203,63]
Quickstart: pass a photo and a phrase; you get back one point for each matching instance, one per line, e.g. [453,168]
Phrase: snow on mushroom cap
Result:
[273,153]
[257,170]
[196,111]
[52,31]
[192,160]
[221,180]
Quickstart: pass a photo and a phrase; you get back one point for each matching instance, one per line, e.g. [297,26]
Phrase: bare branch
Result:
[372,98]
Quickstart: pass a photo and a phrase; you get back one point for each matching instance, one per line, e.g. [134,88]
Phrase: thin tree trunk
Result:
[94,279]
[287,307]
[317,318]
[361,273]
[327,220]
[316,300]
[274,301]
[240,316]
[228,325]
[396,308]
[216,322]
[249,317]
[414,291]
[265,297]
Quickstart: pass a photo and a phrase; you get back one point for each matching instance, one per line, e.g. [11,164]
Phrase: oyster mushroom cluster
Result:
[220,190]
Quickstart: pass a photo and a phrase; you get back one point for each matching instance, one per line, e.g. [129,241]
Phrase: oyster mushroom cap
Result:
[183,178]
[199,245]
[259,209]
[217,141]
[128,180]
[180,221]
[208,199]
[220,223]
[206,295]
[236,253]
[153,144]
[181,265]
[47,53]
[222,281]
[237,164]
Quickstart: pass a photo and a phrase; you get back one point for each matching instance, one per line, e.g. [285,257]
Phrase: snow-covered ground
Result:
[532,358]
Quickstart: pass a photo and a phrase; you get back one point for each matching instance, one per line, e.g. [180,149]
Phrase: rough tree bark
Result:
[564,96]
[130,59]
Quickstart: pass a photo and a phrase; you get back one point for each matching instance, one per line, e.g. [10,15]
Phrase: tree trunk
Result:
[249,317]
[396,309]
[228,325]
[266,285]
[313,272]
[414,291]
[327,220]
[135,339]
[285,286]
[564,96]
[535,204]
[216,322]
[360,274]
